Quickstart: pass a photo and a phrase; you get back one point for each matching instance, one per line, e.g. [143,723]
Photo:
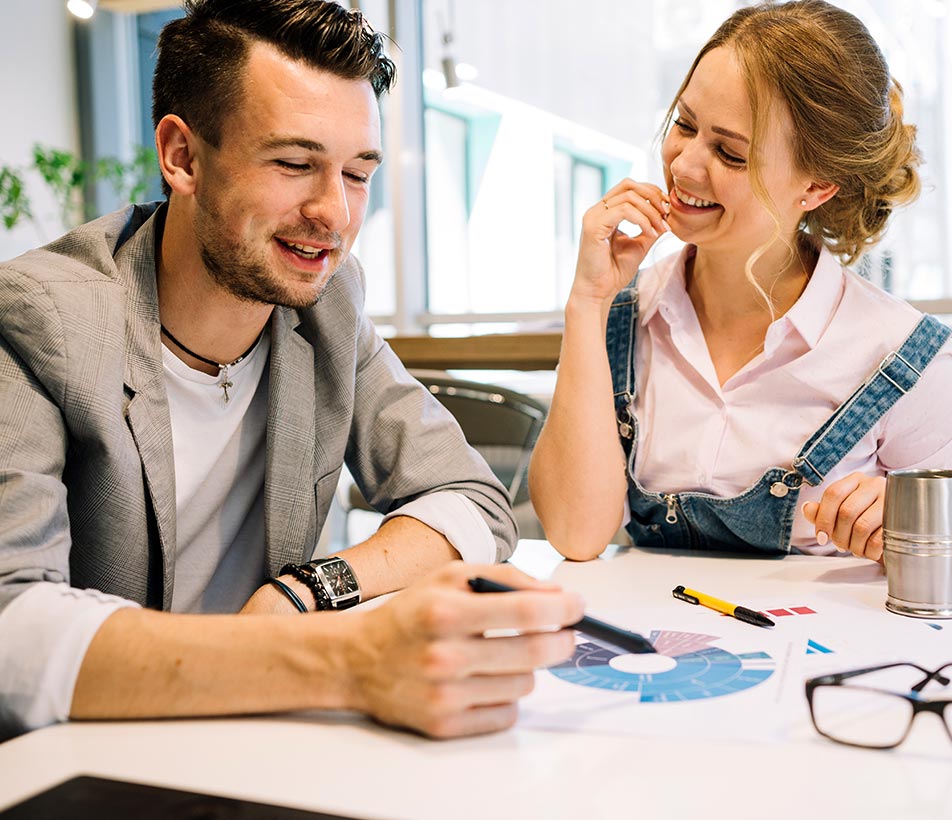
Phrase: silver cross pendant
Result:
[225,383]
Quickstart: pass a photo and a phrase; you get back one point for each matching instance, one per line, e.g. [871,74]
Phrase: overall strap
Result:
[620,344]
[895,376]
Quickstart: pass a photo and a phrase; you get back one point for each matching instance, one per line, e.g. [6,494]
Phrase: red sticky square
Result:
[803,610]
[779,612]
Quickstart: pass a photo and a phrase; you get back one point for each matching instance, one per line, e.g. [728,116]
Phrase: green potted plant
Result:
[66,176]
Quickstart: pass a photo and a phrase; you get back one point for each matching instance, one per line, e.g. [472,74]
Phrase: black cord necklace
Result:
[224,383]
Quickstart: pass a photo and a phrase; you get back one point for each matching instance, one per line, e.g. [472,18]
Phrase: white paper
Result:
[715,677]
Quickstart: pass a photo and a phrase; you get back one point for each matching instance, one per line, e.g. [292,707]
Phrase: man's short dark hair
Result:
[202,56]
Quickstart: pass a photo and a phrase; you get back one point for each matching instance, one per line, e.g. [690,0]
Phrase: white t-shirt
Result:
[219,450]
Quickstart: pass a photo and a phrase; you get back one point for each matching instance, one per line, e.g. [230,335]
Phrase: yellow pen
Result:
[742,613]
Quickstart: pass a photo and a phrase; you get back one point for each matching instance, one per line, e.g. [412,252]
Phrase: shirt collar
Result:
[667,286]
[812,312]
[809,316]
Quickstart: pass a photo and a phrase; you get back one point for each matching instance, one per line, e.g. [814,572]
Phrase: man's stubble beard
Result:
[235,269]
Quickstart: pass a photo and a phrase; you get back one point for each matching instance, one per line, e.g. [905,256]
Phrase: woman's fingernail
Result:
[821,537]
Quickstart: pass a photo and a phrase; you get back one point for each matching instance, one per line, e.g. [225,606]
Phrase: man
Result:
[179,387]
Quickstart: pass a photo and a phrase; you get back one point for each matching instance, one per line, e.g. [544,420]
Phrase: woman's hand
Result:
[850,513]
[608,259]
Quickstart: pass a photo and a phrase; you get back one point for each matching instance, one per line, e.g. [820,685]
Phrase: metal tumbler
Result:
[917,542]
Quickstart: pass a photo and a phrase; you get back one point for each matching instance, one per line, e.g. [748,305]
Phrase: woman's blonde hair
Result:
[824,65]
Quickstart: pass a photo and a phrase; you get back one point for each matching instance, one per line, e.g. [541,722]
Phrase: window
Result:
[147,28]
[576,92]
[448,193]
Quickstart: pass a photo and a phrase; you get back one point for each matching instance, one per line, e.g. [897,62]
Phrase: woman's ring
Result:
[605,203]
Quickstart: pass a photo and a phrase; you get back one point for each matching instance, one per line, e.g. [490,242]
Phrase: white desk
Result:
[348,765]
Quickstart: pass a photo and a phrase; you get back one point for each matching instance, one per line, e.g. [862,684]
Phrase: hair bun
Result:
[887,178]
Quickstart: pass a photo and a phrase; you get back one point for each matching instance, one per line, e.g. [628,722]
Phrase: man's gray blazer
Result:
[87,481]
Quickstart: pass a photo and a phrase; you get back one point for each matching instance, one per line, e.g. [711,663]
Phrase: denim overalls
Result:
[759,519]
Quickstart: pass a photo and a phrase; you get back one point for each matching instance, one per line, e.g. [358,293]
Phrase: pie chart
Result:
[688,666]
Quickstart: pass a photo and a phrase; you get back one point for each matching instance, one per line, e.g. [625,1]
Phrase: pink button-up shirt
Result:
[697,435]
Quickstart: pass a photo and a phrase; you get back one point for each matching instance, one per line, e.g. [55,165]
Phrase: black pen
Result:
[629,641]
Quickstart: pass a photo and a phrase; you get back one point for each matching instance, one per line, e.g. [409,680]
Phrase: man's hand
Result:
[850,514]
[421,660]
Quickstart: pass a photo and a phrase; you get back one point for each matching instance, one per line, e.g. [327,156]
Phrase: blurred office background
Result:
[509,120]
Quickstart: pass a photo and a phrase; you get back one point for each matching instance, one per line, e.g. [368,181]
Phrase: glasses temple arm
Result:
[839,677]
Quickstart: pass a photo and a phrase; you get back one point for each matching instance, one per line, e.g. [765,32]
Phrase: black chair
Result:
[499,423]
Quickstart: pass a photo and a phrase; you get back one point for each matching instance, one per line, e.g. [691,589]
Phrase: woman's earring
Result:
[803,203]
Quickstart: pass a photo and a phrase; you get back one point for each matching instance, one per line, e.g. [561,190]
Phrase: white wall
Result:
[37,103]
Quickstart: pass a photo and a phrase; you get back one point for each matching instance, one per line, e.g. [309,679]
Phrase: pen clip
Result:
[679,593]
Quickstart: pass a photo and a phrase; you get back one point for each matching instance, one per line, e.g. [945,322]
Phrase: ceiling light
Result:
[84,9]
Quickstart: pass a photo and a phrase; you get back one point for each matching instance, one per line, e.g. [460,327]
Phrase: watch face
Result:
[339,579]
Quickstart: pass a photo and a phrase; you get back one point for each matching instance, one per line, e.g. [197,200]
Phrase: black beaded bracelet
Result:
[289,593]
[307,576]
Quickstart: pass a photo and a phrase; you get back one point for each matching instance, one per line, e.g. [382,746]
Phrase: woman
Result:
[741,403]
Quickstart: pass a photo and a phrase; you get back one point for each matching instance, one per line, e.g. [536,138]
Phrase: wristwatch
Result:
[331,580]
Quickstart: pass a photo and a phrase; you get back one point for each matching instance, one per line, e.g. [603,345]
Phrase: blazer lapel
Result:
[289,503]
[147,408]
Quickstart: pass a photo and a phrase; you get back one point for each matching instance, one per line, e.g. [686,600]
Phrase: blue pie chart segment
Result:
[700,669]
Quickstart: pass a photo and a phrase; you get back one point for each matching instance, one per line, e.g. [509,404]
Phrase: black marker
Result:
[629,641]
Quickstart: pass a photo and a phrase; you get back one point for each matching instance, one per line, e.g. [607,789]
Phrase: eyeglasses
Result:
[875,716]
